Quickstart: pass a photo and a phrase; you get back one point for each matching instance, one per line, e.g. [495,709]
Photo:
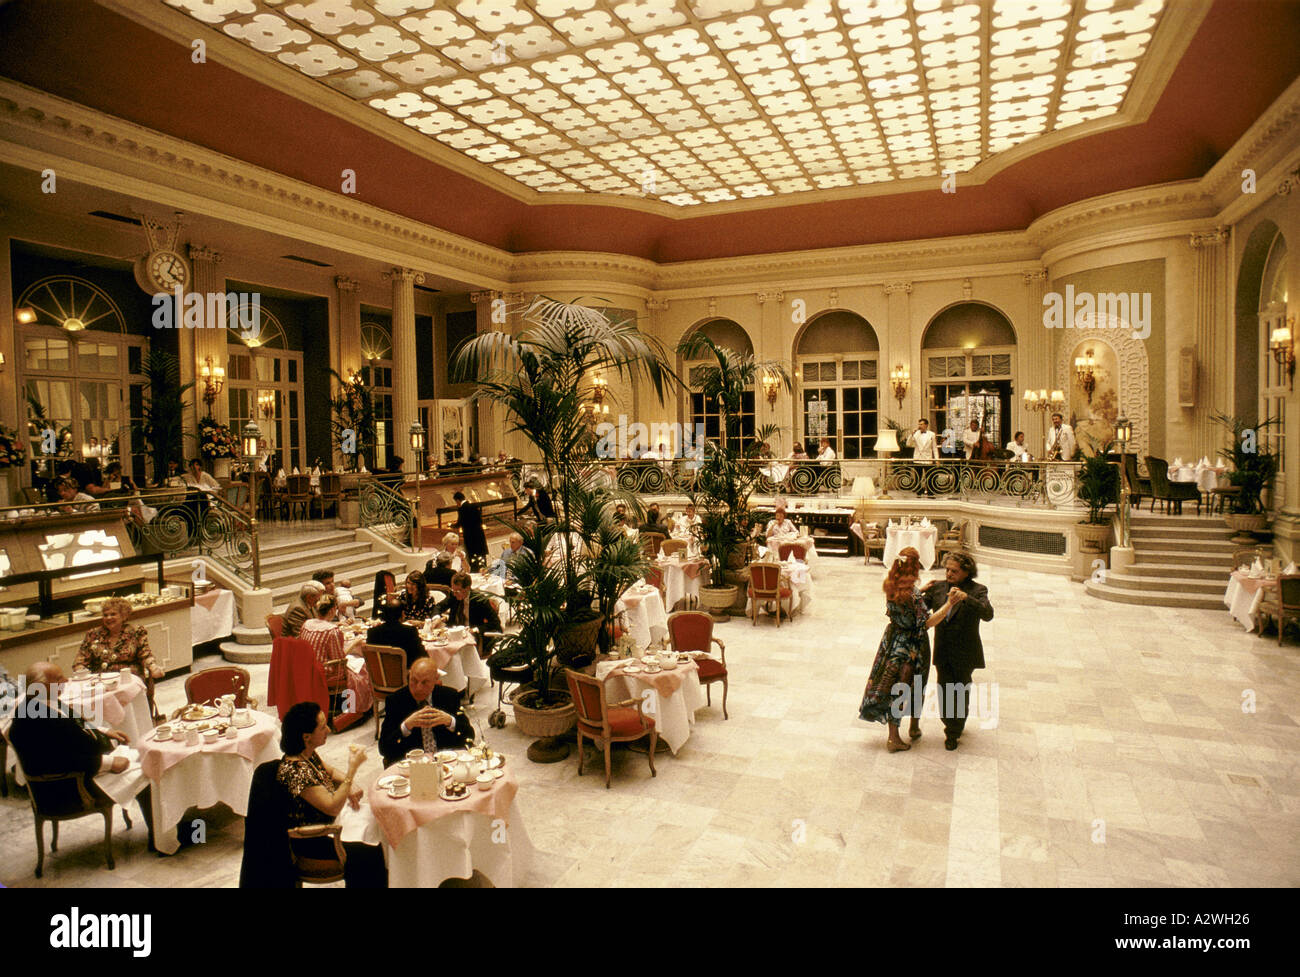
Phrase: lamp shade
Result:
[887,440]
[251,437]
[1123,431]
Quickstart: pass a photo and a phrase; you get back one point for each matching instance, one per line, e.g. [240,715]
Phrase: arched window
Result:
[264,383]
[377,374]
[837,369]
[729,335]
[1274,382]
[968,350]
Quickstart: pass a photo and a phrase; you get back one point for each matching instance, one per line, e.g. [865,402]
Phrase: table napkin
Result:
[356,664]
[1203,463]
[1177,463]
[1290,568]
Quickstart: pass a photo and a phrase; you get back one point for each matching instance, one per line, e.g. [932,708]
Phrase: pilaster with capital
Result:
[1036,352]
[345,345]
[900,347]
[196,345]
[405,365]
[1213,346]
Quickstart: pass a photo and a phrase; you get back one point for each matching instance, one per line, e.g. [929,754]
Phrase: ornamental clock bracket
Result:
[162,268]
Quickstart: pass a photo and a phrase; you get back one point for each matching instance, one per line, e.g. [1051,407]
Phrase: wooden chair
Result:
[606,724]
[651,544]
[693,631]
[654,576]
[275,624]
[783,551]
[765,585]
[670,546]
[298,495]
[311,868]
[873,542]
[65,797]
[331,490]
[336,683]
[1138,487]
[387,668]
[212,683]
[953,541]
[1170,493]
[1248,555]
[1223,497]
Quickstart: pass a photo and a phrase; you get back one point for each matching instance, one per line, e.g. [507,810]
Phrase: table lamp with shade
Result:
[886,444]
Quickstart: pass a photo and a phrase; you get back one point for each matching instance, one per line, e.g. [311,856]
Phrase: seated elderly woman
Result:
[302,610]
[75,499]
[115,645]
[417,603]
[318,793]
[782,530]
[326,639]
[452,547]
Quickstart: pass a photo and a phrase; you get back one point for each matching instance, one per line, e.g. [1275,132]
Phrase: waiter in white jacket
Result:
[926,450]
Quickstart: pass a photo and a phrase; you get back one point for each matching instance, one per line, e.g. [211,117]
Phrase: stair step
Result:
[241,654]
[1185,556]
[320,540]
[1154,598]
[363,590]
[342,566]
[249,634]
[300,555]
[1173,532]
[1190,571]
[1120,578]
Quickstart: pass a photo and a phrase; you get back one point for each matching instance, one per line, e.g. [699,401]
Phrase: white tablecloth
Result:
[678,583]
[212,616]
[673,716]
[1206,479]
[450,847]
[1243,597]
[643,611]
[204,779]
[924,541]
[465,670]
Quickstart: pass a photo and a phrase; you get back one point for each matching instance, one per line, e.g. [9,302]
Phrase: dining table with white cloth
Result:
[642,610]
[1206,477]
[923,539]
[212,616]
[796,576]
[205,774]
[1244,594]
[681,578]
[671,696]
[427,842]
[456,655]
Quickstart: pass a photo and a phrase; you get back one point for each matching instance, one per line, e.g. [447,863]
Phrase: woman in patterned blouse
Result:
[326,639]
[417,603]
[115,645]
[318,792]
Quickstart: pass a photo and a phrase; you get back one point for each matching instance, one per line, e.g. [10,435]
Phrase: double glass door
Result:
[266,388]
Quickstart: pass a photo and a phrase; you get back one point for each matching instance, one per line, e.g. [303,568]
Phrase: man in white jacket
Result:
[926,450]
[1060,440]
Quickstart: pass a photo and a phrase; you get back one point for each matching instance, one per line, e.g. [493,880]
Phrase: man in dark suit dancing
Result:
[958,650]
[422,716]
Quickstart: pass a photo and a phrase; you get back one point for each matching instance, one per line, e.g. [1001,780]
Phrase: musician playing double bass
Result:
[978,447]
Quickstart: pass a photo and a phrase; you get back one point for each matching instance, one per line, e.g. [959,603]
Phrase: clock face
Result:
[166,270]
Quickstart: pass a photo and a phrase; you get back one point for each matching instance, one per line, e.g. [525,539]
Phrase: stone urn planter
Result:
[1093,537]
[1243,524]
[547,726]
[717,601]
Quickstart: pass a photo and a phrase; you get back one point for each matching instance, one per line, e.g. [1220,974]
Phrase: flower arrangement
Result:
[13,452]
[216,440]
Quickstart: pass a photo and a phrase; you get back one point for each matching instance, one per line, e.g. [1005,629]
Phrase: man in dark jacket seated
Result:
[393,633]
[422,716]
[472,610]
[439,571]
[50,740]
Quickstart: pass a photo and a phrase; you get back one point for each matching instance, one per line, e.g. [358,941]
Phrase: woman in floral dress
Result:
[326,639]
[116,645]
[904,653]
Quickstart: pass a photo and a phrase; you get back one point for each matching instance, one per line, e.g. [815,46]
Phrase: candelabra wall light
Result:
[24,315]
[266,403]
[900,378]
[1282,345]
[771,387]
[1085,368]
[214,381]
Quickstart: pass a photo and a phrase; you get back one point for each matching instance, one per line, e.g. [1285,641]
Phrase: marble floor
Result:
[1116,746]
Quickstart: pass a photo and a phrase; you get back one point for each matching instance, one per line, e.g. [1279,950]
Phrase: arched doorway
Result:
[837,372]
[728,334]
[264,383]
[969,354]
[377,375]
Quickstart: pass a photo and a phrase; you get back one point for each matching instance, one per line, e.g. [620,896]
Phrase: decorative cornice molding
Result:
[1128,208]
[765,297]
[1289,183]
[1263,146]
[1208,239]
[892,288]
[1034,276]
[198,253]
[345,284]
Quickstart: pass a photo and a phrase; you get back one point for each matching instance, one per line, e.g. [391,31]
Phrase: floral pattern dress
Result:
[100,653]
[326,639]
[297,775]
[905,642]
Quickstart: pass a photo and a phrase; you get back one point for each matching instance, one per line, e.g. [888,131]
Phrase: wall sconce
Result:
[1282,345]
[1084,371]
[899,377]
[24,315]
[266,403]
[771,387]
[598,391]
[73,324]
[353,379]
[214,381]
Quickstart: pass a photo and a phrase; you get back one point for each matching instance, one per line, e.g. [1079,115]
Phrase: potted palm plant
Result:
[541,378]
[160,424]
[1253,471]
[1098,487]
[730,469]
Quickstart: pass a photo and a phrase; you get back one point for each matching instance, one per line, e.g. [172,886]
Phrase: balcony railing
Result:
[386,512]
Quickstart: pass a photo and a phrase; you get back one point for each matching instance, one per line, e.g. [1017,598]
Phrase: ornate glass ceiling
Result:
[712,100]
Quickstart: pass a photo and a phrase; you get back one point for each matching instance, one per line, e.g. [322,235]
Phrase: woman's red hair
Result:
[902,576]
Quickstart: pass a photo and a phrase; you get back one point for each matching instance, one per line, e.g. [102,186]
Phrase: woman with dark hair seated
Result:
[417,603]
[385,587]
[319,792]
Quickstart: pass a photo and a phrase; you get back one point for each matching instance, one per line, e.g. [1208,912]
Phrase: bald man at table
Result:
[422,716]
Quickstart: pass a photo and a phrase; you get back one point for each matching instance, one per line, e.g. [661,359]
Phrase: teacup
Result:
[241,717]
[404,767]
[81,674]
[485,781]
[191,737]
[123,673]
[210,735]
[163,733]
[415,754]
[110,680]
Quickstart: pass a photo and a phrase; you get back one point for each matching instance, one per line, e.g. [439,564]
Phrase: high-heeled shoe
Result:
[893,747]
[914,733]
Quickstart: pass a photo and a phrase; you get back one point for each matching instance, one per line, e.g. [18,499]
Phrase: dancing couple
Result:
[954,607]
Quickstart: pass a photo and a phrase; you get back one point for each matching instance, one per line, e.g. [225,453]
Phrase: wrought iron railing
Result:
[773,477]
[174,523]
[386,512]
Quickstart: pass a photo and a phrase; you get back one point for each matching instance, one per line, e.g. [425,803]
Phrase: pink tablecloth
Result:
[156,758]
[399,817]
[665,682]
[111,707]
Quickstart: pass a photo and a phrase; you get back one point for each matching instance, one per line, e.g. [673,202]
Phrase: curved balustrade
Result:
[386,512]
[774,477]
[1049,483]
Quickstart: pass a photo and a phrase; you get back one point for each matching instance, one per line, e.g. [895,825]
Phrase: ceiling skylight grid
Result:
[704,101]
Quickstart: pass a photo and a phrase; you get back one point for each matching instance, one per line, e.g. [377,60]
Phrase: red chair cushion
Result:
[785,591]
[710,668]
[623,721]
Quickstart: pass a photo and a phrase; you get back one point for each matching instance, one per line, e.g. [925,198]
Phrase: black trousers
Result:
[954,699]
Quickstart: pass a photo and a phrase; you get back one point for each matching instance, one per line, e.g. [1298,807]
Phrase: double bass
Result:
[983,450]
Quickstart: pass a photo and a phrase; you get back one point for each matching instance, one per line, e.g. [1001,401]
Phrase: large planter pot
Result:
[718,600]
[546,725]
[1093,537]
[1244,523]
[740,580]
[577,644]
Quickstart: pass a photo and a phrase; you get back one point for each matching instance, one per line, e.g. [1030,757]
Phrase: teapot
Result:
[226,706]
[465,770]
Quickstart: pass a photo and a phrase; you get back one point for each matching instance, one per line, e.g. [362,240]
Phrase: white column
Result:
[898,348]
[1213,386]
[405,387]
